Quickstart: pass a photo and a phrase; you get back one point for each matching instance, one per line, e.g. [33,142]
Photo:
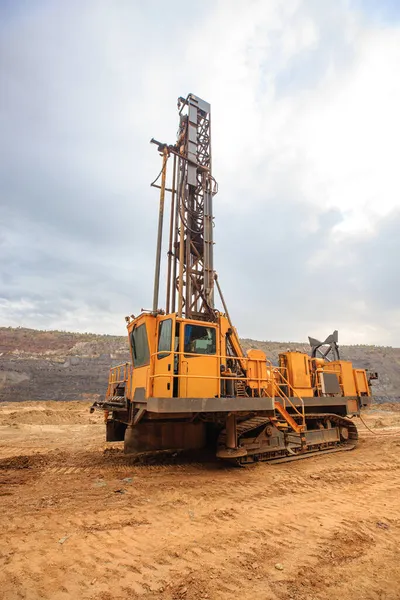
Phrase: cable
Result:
[158,176]
[372,431]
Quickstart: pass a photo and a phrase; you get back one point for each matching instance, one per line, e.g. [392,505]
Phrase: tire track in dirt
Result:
[115,542]
[95,525]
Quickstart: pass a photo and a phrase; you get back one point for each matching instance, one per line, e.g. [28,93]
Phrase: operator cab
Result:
[173,357]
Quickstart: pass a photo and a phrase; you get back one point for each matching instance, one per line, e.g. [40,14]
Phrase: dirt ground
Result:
[80,520]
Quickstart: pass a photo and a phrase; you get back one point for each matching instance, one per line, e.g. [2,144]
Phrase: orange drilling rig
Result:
[190,384]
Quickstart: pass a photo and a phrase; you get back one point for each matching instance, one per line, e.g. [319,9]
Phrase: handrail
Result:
[214,355]
[261,381]
[296,394]
[115,373]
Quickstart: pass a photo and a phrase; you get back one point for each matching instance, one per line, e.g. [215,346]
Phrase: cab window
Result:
[200,340]
[140,346]
[164,338]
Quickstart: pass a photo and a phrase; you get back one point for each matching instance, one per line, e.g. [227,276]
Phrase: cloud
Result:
[305,103]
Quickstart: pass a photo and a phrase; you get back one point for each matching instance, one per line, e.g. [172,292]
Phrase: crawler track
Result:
[287,447]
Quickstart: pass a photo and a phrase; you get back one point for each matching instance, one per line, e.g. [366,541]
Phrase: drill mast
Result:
[190,270]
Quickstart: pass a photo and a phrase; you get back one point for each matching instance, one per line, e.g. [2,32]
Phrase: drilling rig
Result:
[190,384]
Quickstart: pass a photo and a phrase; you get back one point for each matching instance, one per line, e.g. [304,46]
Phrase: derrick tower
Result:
[190,269]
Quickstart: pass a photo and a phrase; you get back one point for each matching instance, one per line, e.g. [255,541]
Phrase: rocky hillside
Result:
[55,365]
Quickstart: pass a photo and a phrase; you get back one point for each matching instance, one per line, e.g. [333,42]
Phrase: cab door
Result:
[141,341]
[163,366]
[199,361]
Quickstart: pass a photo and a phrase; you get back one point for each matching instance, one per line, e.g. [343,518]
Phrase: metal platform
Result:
[207,405]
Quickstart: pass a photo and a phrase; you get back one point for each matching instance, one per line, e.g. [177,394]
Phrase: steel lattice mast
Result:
[190,273]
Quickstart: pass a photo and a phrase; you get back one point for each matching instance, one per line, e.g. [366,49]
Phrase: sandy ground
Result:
[80,520]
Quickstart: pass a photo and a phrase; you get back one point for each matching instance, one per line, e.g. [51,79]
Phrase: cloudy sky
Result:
[305,100]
